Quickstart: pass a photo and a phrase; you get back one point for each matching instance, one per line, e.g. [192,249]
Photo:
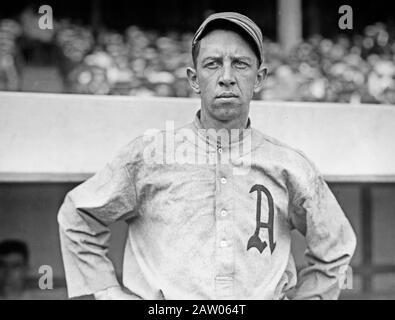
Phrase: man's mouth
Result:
[227,95]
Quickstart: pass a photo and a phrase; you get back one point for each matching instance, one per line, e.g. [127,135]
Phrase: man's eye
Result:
[212,65]
[241,64]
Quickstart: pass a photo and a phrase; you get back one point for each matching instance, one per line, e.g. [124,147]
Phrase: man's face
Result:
[12,271]
[226,75]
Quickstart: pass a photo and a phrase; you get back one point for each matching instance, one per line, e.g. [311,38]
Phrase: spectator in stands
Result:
[14,262]
[10,32]
[14,268]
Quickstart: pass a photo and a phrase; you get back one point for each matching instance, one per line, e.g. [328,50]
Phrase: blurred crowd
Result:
[141,63]
[10,32]
[356,69]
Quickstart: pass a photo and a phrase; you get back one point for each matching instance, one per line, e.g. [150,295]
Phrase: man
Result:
[213,229]
[14,257]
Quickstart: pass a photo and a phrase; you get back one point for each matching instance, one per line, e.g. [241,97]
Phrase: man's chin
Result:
[226,115]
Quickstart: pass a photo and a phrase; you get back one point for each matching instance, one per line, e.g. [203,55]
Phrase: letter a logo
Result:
[254,240]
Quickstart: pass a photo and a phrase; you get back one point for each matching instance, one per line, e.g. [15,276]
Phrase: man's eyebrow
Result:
[211,58]
[243,58]
[246,58]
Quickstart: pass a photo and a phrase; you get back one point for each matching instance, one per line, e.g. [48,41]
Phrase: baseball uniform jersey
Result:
[207,220]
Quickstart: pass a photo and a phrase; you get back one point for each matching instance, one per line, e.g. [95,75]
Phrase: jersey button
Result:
[223,180]
[223,243]
[224,213]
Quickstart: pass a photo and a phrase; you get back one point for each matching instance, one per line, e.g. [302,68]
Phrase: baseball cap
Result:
[243,22]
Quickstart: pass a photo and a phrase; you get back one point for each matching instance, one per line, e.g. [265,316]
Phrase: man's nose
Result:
[227,77]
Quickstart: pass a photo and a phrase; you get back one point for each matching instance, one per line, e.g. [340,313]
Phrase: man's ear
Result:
[260,78]
[193,80]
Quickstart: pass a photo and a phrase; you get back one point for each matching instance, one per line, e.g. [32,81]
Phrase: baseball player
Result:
[220,227]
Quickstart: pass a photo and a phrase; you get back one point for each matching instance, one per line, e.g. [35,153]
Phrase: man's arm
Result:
[84,217]
[330,239]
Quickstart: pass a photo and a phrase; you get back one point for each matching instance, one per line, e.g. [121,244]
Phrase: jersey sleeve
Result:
[330,238]
[84,220]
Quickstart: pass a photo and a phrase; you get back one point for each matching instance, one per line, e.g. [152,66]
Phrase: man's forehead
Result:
[220,41]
